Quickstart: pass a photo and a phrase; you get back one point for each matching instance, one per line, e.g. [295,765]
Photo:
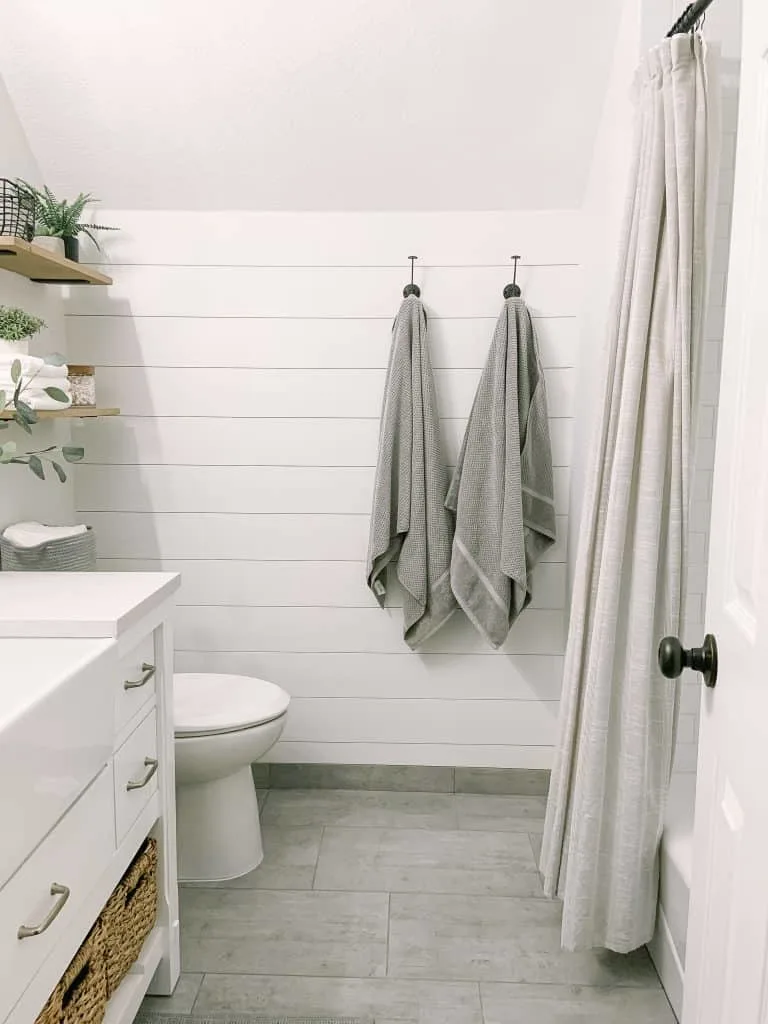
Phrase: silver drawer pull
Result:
[150,764]
[134,684]
[26,932]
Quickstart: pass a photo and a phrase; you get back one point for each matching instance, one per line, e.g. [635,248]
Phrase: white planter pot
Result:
[14,348]
[49,242]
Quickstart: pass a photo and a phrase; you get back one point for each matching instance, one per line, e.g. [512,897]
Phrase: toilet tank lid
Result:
[208,702]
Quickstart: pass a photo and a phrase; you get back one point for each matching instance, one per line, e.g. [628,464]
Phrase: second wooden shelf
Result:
[76,412]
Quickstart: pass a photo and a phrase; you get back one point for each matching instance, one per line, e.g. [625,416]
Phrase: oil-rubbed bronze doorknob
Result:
[673,658]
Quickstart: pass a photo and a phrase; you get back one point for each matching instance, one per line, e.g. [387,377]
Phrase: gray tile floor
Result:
[414,908]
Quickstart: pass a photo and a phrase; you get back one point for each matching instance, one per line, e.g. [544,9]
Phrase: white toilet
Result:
[222,724]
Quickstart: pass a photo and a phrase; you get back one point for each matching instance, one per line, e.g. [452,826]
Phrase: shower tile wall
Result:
[248,355]
[704,461]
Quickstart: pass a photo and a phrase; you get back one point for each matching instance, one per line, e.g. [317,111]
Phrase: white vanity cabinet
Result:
[86,774]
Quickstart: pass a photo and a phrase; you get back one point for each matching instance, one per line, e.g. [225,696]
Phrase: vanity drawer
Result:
[136,681]
[46,893]
[136,772]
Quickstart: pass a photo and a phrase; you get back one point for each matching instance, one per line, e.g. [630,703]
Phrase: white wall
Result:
[340,105]
[248,355]
[23,496]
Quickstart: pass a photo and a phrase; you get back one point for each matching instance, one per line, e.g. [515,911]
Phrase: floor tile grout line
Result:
[386,892]
[418,978]
[389,931]
[482,1006]
[526,831]
[317,860]
[198,887]
[197,993]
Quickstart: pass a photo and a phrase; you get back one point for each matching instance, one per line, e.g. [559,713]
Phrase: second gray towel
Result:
[502,490]
[410,525]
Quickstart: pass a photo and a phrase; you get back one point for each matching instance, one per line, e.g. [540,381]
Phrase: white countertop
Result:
[30,669]
[79,604]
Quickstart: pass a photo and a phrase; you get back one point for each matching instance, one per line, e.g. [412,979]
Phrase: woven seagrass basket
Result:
[130,914]
[81,995]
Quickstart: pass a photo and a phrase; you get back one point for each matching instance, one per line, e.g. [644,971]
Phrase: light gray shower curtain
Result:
[617,717]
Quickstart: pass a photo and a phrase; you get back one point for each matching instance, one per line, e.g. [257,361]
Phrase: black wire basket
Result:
[17,210]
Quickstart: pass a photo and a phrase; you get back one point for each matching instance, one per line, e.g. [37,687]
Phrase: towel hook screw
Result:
[412,289]
[512,291]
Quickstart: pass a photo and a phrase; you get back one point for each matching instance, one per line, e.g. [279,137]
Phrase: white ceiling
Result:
[307,105]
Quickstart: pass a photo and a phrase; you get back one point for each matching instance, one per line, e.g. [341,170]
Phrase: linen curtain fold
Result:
[617,717]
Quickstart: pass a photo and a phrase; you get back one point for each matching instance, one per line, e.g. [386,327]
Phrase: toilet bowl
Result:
[222,724]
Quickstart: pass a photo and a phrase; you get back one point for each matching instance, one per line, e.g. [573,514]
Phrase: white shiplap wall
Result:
[22,495]
[248,354]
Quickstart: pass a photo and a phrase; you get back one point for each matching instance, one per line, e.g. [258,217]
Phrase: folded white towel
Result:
[36,384]
[32,534]
[31,365]
[39,400]
[49,370]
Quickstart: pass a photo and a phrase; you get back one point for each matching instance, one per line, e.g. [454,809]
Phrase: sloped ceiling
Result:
[311,104]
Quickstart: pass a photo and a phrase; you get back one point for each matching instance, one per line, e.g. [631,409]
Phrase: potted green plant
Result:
[26,417]
[16,328]
[58,223]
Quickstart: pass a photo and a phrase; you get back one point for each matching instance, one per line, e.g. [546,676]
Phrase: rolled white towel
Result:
[44,403]
[38,400]
[37,384]
[40,383]
[37,381]
[32,365]
[49,370]
[31,534]
[29,364]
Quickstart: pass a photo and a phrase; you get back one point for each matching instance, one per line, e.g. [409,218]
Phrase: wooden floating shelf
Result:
[45,267]
[76,412]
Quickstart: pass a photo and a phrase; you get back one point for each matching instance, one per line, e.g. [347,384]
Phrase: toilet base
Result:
[218,829]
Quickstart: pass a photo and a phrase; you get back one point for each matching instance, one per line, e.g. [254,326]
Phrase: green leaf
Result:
[56,394]
[72,454]
[15,370]
[8,451]
[27,413]
[3,401]
[36,465]
[23,424]
[85,231]
[59,471]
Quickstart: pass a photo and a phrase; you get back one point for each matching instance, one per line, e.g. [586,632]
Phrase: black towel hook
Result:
[512,291]
[412,289]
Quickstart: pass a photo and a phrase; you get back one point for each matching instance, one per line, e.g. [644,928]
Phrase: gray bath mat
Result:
[175,1018]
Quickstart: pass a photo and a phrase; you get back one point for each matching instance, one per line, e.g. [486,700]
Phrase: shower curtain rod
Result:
[690,16]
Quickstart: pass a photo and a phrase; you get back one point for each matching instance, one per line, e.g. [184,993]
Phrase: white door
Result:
[726,977]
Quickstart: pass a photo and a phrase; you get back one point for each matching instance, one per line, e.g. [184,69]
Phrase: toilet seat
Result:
[210,703]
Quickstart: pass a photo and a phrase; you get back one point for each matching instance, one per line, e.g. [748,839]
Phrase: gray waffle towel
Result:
[410,524]
[502,490]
